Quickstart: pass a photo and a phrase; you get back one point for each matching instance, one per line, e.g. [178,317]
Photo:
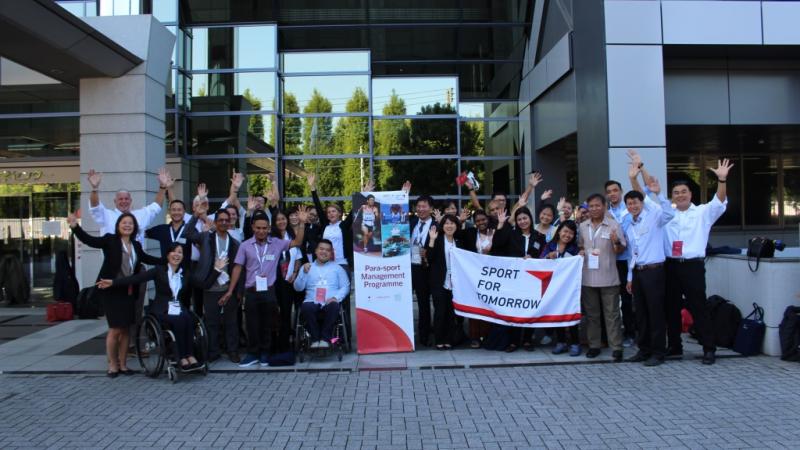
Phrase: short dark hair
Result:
[450,218]
[325,241]
[178,201]
[551,208]
[229,207]
[172,246]
[680,182]
[634,195]
[135,224]
[259,215]
[594,196]
[425,198]
[611,183]
[222,211]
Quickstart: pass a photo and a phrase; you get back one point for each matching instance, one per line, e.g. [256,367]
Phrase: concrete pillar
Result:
[122,124]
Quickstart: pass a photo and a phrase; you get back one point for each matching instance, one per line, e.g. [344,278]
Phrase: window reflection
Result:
[39,137]
[490,138]
[414,95]
[249,91]
[431,176]
[335,177]
[225,135]
[415,136]
[307,62]
[761,196]
[216,174]
[495,175]
[319,94]
[165,10]
[245,47]
[326,135]
[791,189]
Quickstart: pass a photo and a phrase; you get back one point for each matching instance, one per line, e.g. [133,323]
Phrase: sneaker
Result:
[653,361]
[264,360]
[617,355]
[574,350]
[234,357]
[627,343]
[593,353]
[559,348]
[546,340]
[249,360]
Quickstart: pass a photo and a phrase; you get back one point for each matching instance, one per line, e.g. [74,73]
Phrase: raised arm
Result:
[300,229]
[165,183]
[82,235]
[233,193]
[723,168]
[473,196]
[94,179]
[634,169]
[130,280]
[190,231]
[312,184]
[146,257]
[300,281]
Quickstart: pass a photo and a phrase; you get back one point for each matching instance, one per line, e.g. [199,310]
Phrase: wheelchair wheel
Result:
[341,328]
[150,347]
[200,344]
[339,352]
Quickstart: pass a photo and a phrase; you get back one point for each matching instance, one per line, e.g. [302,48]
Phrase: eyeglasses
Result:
[223,220]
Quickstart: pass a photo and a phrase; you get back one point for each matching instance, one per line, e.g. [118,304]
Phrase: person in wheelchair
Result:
[170,305]
[325,284]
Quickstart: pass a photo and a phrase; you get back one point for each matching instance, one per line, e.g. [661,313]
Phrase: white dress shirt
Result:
[692,227]
[333,233]
[107,218]
[418,239]
[645,234]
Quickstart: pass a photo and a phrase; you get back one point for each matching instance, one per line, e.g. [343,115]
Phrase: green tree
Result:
[256,123]
[352,136]
[391,137]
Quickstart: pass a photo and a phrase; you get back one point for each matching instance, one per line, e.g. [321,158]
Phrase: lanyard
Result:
[420,228]
[131,256]
[321,275]
[227,242]
[594,235]
[527,241]
[261,256]
[177,236]
[174,281]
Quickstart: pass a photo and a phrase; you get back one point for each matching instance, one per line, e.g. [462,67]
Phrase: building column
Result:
[122,125]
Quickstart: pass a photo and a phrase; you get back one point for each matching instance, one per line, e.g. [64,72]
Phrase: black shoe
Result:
[617,355]
[234,357]
[709,358]
[111,374]
[638,357]
[653,361]
[593,353]
[127,372]
[674,353]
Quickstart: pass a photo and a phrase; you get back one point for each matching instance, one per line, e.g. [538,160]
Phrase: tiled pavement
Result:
[737,403]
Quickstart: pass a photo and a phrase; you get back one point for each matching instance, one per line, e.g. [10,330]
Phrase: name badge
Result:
[261,284]
[677,249]
[605,236]
[223,278]
[321,296]
[415,255]
[181,240]
[594,260]
[536,245]
[174,308]
[269,257]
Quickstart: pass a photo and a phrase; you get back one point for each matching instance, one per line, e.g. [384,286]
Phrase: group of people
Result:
[258,267]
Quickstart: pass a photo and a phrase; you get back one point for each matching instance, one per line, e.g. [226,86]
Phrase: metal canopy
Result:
[47,38]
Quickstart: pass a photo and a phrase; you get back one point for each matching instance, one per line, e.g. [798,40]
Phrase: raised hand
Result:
[523,199]
[220,263]
[271,177]
[251,203]
[94,178]
[547,194]
[302,214]
[654,185]
[433,234]
[72,221]
[306,267]
[369,186]
[634,158]
[165,179]
[202,190]
[535,178]
[562,202]
[463,216]
[406,187]
[437,215]
[312,181]
[200,210]
[104,284]
[723,167]
[502,217]
[237,180]
[272,198]
[469,185]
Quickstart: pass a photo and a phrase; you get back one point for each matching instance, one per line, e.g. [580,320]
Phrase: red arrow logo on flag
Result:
[545,276]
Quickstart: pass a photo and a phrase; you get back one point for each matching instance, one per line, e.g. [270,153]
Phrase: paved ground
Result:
[737,403]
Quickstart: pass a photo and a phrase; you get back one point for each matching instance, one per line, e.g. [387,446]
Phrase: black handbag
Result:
[759,247]
[750,336]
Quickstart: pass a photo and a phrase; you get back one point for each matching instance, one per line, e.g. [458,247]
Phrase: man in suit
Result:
[212,274]
[420,225]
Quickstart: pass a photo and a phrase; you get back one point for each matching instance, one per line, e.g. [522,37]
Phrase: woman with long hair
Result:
[170,305]
[440,257]
[283,226]
[563,244]
[477,239]
[123,256]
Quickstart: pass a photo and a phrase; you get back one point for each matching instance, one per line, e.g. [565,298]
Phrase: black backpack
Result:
[89,305]
[789,333]
[725,320]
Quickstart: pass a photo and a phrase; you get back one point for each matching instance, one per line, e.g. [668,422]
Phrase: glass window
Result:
[415,136]
[393,96]
[248,91]
[430,176]
[25,99]
[761,192]
[216,174]
[413,43]
[165,10]
[169,132]
[490,138]
[39,137]
[335,177]
[205,11]
[304,62]
[733,214]
[489,42]
[230,135]
[245,47]
[326,135]
[119,7]
[325,94]
[488,110]
[76,8]
[791,189]
[494,175]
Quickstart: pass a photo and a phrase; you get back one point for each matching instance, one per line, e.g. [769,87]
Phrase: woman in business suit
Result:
[521,241]
[172,299]
[440,258]
[122,256]
[477,239]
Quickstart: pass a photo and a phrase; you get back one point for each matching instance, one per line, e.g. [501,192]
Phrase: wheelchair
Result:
[157,349]
[302,340]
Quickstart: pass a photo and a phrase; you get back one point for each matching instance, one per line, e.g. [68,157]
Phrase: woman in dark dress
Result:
[172,298]
[122,256]
[440,257]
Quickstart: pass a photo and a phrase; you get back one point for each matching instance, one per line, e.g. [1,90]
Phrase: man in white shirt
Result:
[107,218]
[685,240]
[646,279]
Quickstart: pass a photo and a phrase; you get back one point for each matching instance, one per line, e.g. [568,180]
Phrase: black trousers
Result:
[567,335]
[688,279]
[626,307]
[313,312]
[260,309]
[420,282]
[215,315]
[196,295]
[287,299]
[182,326]
[648,298]
[444,317]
